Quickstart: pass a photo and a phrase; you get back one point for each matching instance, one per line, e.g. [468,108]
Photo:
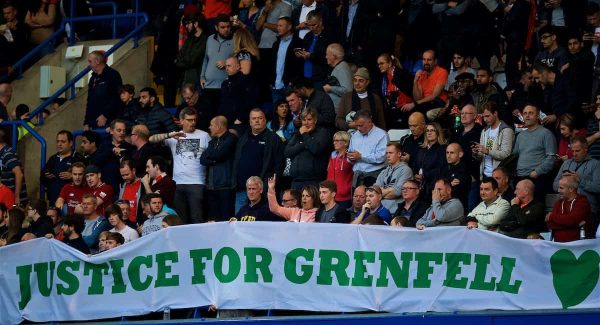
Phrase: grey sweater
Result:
[448,213]
[217,49]
[536,151]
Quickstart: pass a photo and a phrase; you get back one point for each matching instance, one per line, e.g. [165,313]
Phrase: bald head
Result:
[454,153]
[524,190]
[416,123]
[218,126]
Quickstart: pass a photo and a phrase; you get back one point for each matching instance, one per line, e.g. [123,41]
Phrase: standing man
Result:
[152,113]
[413,141]
[56,173]
[257,208]
[140,136]
[526,215]
[313,52]
[103,93]
[268,21]
[339,81]
[131,190]
[367,150]
[239,94]
[72,194]
[456,172]
[460,65]
[359,99]
[412,208]
[90,142]
[393,176]
[496,141]
[187,146]
[11,170]
[5,97]
[318,100]
[112,151]
[158,181]
[219,47]
[103,192]
[359,198]
[218,158]
[284,67]
[330,211]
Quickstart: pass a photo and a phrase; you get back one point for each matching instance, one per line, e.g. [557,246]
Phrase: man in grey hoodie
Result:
[154,221]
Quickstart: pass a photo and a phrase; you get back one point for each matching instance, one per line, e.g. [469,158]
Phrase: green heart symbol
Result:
[574,278]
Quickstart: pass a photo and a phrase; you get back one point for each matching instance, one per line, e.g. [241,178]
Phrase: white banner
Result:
[321,267]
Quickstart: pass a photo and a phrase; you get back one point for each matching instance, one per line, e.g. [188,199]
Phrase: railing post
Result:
[71,33]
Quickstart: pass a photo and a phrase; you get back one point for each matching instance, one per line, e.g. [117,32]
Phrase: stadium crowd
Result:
[285,112]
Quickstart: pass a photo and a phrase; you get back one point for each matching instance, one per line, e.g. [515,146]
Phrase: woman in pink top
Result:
[310,204]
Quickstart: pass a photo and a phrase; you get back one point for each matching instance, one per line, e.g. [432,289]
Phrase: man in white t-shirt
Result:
[115,219]
[495,143]
[189,174]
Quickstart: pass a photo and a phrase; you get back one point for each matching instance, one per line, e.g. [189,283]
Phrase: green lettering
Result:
[289,267]
[478,283]
[118,283]
[360,278]
[234,265]
[253,265]
[163,269]
[134,272]
[96,286]
[389,264]
[424,268]
[453,269]
[508,265]
[71,281]
[199,258]
[24,273]
[342,260]
[45,279]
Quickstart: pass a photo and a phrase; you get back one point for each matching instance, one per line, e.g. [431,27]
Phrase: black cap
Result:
[92,169]
[465,76]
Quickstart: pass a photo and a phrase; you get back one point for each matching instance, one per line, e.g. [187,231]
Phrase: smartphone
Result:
[298,49]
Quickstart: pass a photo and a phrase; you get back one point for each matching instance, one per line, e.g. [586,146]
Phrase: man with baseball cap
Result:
[102,191]
[357,100]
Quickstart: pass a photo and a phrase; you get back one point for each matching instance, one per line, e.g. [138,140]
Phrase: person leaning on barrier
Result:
[492,208]
[330,211]
[257,208]
[411,208]
[445,210]
[570,212]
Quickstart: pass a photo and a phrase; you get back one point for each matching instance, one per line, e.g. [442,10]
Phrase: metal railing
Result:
[111,5]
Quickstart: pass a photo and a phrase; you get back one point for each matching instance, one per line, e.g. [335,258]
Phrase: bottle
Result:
[457,127]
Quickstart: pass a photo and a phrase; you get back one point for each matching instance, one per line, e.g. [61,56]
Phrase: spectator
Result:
[339,169]
[560,95]
[313,52]
[219,47]
[505,189]
[11,171]
[113,240]
[536,148]
[354,20]
[57,221]
[156,180]
[396,90]
[428,86]
[339,80]
[457,173]
[171,220]
[125,208]
[41,224]
[238,96]
[284,66]
[391,178]
[15,230]
[5,97]
[152,113]
[330,211]
[359,198]
[101,191]
[495,143]
[112,151]
[296,104]
[72,194]
[246,17]
[373,206]
[94,223]
[460,65]
[444,210]
[218,158]
[526,215]
[317,99]
[189,174]
[73,226]
[359,99]
[190,56]
[7,197]
[515,31]
[581,67]
[493,208]
[246,51]
[308,151]
[282,123]
[568,131]
[41,18]
[14,36]
[103,93]
[487,90]
[300,16]
[587,170]
[413,141]
[267,25]
[431,156]
[367,150]
[115,219]
[56,173]
[552,54]
[306,213]
[154,221]
[90,141]
[191,98]
[131,189]
[593,129]
[130,107]
[569,213]
[412,209]
[291,198]
[259,152]
[257,208]
[102,241]
[140,138]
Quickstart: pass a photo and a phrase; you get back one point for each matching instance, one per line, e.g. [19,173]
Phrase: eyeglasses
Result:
[409,188]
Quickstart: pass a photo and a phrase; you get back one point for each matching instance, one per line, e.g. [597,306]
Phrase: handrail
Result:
[15,139]
[113,6]
[82,73]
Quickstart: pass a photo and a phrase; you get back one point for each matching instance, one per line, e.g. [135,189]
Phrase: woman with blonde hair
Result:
[246,51]
[431,157]
[396,90]
[339,169]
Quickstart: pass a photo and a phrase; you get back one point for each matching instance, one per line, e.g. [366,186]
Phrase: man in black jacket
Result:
[455,171]
[259,152]
[526,215]
[285,65]
[330,211]
[103,93]
[314,46]
[238,95]
[218,158]
[152,113]
[317,99]
[56,173]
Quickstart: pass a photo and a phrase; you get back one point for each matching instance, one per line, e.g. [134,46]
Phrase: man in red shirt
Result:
[72,194]
[102,191]
[428,86]
[131,189]
[570,213]
[157,181]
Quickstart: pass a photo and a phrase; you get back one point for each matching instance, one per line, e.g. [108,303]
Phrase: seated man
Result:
[115,219]
[102,191]
[457,173]
[56,174]
[158,181]
[526,215]
[393,177]
[156,213]
[570,212]
[330,211]
[359,99]
[492,208]
[72,194]
[367,150]
[359,198]
[257,208]
[114,239]
[445,210]
[72,228]
[94,223]
[131,190]
[412,208]
[428,87]
[374,206]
